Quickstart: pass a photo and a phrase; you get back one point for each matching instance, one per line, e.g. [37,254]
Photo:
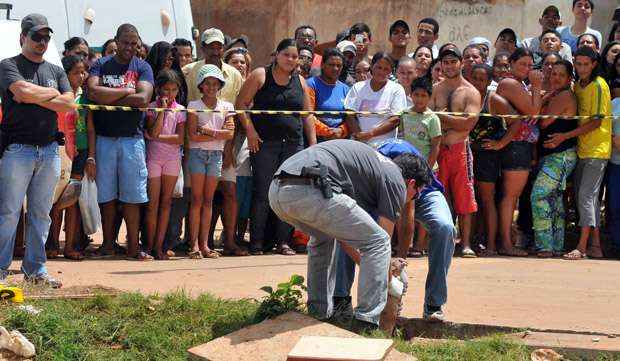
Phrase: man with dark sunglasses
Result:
[32,92]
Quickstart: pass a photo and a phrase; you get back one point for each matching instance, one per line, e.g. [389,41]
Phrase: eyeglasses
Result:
[425,32]
[37,38]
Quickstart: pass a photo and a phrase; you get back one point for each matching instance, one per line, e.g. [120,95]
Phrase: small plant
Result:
[287,297]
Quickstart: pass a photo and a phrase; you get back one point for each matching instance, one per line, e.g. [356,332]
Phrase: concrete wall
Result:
[268,21]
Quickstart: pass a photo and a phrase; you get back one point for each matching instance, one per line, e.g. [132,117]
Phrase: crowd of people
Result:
[500,158]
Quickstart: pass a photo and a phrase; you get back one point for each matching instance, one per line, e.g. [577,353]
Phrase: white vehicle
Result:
[11,29]
[97,20]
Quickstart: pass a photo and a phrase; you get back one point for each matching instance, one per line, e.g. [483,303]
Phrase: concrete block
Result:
[320,348]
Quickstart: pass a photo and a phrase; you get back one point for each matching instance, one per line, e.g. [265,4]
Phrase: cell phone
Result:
[359,38]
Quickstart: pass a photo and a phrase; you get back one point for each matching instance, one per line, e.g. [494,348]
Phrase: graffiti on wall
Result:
[459,18]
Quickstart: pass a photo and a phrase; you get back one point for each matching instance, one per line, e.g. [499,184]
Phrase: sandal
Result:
[73,255]
[415,253]
[544,254]
[119,250]
[102,252]
[161,256]
[142,257]
[235,252]
[285,250]
[195,255]
[210,254]
[594,252]
[512,252]
[487,253]
[574,255]
[468,253]
[170,253]
[51,254]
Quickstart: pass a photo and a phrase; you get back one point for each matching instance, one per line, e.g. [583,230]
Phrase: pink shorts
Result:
[157,168]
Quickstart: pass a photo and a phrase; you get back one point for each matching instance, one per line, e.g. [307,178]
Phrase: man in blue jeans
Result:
[328,191]
[32,91]
[432,211]
[120,159]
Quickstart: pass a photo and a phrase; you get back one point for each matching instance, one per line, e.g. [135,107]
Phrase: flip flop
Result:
[468,253]
[574,255]
[487,253]
[285,250]
[544,254]
[142,257]
[235,252]
[512,252]
[210,254]
[73,255]
[415,253]
[195,255]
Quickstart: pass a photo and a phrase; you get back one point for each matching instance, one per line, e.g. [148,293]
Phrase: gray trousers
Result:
[328,220]
[589,175]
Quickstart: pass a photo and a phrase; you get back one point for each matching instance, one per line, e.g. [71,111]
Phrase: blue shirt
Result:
[571,39]
[115,75]
[392,148]
[328,97]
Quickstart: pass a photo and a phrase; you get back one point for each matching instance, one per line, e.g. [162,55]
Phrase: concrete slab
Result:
[321,348]
[272,340]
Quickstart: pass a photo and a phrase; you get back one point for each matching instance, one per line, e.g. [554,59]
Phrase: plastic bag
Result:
[91,216]
[178,188]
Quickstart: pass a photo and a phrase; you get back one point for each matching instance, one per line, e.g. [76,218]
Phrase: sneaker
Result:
[434,314]
[343,310]
[44,279]
[360,326]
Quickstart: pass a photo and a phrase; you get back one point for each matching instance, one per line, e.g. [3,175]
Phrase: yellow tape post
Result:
[117,108]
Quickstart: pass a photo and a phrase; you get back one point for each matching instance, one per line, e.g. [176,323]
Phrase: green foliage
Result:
[128,327]
[288,296]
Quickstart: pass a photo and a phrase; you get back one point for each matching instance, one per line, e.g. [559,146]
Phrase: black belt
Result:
[298,181]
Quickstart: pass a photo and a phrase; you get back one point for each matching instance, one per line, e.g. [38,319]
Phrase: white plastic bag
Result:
[178,188]
[91,216]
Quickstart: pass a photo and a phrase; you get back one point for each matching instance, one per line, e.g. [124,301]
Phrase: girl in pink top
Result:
[207,134]
[165,134]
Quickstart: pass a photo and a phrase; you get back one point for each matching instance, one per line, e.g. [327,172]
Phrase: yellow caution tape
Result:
[325,112]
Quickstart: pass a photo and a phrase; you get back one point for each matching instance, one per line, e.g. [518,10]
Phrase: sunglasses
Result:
[37,38]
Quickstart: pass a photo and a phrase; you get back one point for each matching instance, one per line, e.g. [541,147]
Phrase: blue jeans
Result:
[432,210]
[327,220]
[31,171]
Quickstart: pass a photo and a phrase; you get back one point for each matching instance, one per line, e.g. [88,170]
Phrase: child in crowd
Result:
[165,132]
[208,132]
[593,149]
[423,130]
[77,133]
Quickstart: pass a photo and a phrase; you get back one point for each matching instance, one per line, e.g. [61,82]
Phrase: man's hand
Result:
[253,140]
[536,78]
[91,170]
[554,140]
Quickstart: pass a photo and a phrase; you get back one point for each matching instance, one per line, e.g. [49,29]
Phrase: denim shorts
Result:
[207,162]
[121,170]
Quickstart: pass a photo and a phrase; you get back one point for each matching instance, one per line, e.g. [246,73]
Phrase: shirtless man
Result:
[455,94]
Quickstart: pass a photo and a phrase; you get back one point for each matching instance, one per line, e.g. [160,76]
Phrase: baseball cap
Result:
[241,39]
[347,45]
[450,51]
[209,71]
[212,35]
[552,8]
[401,23]
[478,40]
[34,22]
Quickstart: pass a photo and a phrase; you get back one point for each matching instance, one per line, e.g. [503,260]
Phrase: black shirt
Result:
[273,96]
[25,123]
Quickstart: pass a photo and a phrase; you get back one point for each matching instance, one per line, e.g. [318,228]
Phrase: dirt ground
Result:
[547,294]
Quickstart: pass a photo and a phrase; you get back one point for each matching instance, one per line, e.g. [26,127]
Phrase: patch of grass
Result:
[496,348]
[128,327]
